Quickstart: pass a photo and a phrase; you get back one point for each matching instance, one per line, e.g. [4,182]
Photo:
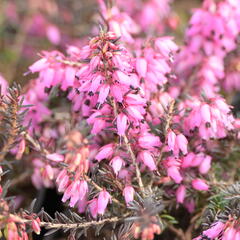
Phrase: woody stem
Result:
[168,122]
[133,157]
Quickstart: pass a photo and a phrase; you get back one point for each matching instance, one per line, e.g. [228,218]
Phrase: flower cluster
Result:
[129,125]
[212,34]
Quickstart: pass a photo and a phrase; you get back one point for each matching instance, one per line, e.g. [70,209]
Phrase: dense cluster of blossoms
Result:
[212,34]
[118,120]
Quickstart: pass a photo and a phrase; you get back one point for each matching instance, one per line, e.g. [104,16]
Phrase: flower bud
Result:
[199,184]
[102,202]
[128,193]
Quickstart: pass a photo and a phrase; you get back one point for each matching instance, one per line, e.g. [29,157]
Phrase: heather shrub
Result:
[138,133]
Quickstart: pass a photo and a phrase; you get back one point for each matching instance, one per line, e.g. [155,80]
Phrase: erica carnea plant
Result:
[135,132]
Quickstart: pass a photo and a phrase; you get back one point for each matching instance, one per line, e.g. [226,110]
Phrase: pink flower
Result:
[182,143]
[96,82]
[39,65]
[180,193]
[187,160]
[3,84]
[69,78]
[48,77]
[121,124]
[148,160]
[105,152]
[205,113]
[171,138]
[128,193]
[71,189]
[220,120]
[117,92]
[199,184]
[135,99]
[53,34]
[21,149]
[165,45]
[122,78]
[149,141]
[174,173]
[205,165]
[102,201]
[119,22]
[94,63]
[75,194]
[55,157]
[93,207]
[49,171]
[83,189]
[36,226]
[230,234]
[62,180]
[134,113]
[190,205]
[63,183]
[237,235]
[215,230]
[97,121]
[103,93]
[141,67]
[116,164]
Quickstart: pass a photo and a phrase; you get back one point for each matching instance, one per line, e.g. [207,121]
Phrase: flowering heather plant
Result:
[136,134]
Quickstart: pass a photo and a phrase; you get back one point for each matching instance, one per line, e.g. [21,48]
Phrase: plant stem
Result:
[168,122]
[89,180]
[11,108]
[138,173]
[178,232]
[50,225]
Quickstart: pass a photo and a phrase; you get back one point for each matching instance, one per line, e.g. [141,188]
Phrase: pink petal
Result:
[53,34]
[171,138]
[134,113]
[214,230]
[122,78]
[141,67]
[200,184]
[39,65]
[205,113]
[93,206]
[182,143]
[117,92]
[174,173]
[103,200]
[205,165]
[128,193]
[121,124]
[55,157]
[116,164]
[148,160]
[103,93]
[181,193]
[105,152]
